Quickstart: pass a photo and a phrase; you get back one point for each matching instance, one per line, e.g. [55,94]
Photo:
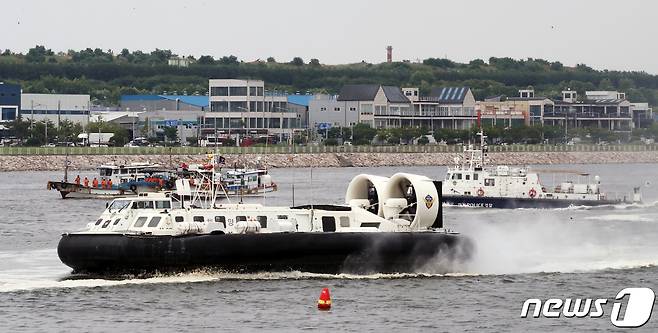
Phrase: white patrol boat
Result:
[155,232]
[114,181]
[472,182]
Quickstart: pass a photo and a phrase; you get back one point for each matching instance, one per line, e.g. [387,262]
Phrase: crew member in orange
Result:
[77,180]
[85,182]
[109,184]
[103,183]
[94,182]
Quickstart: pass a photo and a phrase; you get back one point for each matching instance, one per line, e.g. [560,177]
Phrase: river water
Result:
[526,253]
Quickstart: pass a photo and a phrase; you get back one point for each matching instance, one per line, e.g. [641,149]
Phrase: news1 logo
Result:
[638,307]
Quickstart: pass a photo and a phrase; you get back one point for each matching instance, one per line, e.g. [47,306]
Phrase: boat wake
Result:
[555,243]
[612,207]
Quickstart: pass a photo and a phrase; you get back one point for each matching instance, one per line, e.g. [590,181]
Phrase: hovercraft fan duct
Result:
[366,191]
[413,198]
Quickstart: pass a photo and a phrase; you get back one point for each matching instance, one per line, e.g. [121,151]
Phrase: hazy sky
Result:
[604,34]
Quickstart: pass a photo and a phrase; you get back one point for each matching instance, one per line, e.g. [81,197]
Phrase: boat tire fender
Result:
[480,192]
[133,188]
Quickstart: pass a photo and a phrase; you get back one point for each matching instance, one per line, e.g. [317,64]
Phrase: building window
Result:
[323,109]
[352,109]
[337,109]
[238,91]
[219,106]
[218,91]
[238,107]
[8,114]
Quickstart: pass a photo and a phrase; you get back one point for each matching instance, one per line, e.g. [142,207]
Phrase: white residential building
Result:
[243,106]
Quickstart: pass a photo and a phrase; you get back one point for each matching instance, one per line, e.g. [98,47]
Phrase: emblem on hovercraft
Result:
[429,201]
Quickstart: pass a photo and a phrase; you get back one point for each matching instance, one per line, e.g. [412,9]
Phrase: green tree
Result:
[206,60]
[38,54]
[271,60]
[297,61]
[230,60]
[314,62]
[19,128]
[363,134]
[171,133]
[68,131]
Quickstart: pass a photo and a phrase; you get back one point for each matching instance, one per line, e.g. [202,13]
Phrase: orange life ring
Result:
[532,193]
[480,192]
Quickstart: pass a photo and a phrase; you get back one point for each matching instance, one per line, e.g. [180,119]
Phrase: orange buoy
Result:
[324,303]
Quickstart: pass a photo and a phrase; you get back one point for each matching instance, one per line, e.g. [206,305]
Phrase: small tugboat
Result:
[115,181]
[475,183]
[155,232]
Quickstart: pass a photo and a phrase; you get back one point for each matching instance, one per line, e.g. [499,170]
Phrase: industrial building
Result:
[56,108]
[10,101]
[163,102]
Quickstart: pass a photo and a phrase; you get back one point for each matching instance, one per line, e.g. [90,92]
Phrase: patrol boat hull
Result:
[317,252]
[511,203]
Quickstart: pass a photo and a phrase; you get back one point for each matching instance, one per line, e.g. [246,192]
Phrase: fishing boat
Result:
[235,181]
[473,182]
[156,232]
[115,181]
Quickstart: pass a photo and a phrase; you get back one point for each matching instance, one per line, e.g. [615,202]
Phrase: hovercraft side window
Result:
[98,221]
[145,204]
[263,221]
[344,222]
[221,219]
[370,224]
[328,224]
[240,218]
[198,219]
[140,222]
[179,219]
[116,221]
[163,205]
[155,220]
[489,182]
[106,223]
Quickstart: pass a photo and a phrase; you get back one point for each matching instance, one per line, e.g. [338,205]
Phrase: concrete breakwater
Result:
[90,162]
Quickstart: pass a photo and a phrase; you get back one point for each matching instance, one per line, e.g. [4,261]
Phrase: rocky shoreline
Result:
[90,162]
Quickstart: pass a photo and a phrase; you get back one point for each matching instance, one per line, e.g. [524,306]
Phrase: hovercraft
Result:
[386,225]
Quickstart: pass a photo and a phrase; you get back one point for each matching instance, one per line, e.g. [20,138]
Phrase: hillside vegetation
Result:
[106,75]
